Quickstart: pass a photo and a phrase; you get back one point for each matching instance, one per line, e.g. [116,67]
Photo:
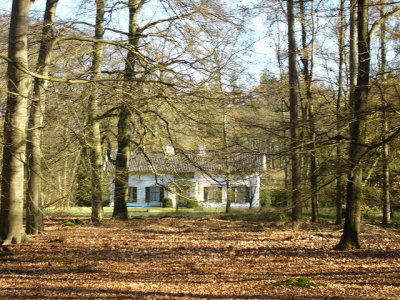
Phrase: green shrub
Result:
[167,202]
[265,198]
[182,203]
[192,203]
[274,197]
[303,282]
[372,197]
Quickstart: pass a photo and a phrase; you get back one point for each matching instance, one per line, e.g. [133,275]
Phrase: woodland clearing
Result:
[202,258]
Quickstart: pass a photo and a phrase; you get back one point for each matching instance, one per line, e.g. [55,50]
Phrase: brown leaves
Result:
[198,259]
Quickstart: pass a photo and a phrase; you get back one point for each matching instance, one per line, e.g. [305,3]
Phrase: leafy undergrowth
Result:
[206,258]
[304,282]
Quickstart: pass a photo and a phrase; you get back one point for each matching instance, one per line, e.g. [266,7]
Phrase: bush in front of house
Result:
[192,203]
[182,203]
[274,197]
[167,202]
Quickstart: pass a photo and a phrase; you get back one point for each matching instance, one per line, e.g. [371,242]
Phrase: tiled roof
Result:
[158,162]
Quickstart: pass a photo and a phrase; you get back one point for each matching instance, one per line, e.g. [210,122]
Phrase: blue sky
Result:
[69,9]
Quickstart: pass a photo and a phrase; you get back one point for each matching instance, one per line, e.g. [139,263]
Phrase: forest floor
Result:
[206,258]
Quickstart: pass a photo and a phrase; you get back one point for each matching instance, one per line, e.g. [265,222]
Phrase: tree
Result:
[12,183]
[293,107]
[339,180]
[95,148]
[386,218]
[350,238]
[124,115]
[34,214]
[358,148]
[307,60]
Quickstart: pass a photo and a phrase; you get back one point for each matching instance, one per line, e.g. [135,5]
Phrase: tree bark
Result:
[14,150]
[121,164]
[34,214]
[350,238]
[227,162]
[352,52]
[124,119]
[95,148]
[339,181]
[386,205]
[307,61]
[297,211]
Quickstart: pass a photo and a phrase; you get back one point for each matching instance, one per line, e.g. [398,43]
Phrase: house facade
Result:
[200,176]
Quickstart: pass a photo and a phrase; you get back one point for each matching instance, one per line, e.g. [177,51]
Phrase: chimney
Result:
[202,150]
[170,149]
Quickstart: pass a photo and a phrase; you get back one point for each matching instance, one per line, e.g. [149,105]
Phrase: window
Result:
[213,194]
[154,193]
[132,194]
[241,194]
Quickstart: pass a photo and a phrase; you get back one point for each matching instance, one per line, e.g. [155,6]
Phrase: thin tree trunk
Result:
[297,211]
[96,153]
[14,151]
[307,61]
[227,163]
[34,214]
[352,52]
[121,164]
[350,238]
[386,217]
[339,181]
[124,120]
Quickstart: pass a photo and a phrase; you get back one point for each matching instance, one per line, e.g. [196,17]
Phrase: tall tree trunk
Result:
[339,181]
[124,119]
[386,216]
[352,52]
[227,162]
[96,153]
[14,151]
[307,61]
[34,214]
[350,238]
[297,211]
[121,164]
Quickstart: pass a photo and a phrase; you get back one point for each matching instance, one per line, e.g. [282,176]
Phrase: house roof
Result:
[211,162]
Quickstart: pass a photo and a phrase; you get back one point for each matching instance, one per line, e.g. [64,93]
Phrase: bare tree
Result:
[293,106]
[124,115]
[386,218]
[95,148]
[34,214]
[307,59]
[351,234]
[341,44]
[350,238]
[14,151]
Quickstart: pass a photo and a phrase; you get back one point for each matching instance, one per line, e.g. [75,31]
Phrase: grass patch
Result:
[74,222]
[265,214]
[73,211]
[40,259]
[303,282]
[76,211]
[268,214]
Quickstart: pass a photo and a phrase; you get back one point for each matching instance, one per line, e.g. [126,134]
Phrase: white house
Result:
[202,176]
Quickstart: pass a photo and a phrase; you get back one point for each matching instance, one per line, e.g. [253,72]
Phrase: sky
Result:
[256,62]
